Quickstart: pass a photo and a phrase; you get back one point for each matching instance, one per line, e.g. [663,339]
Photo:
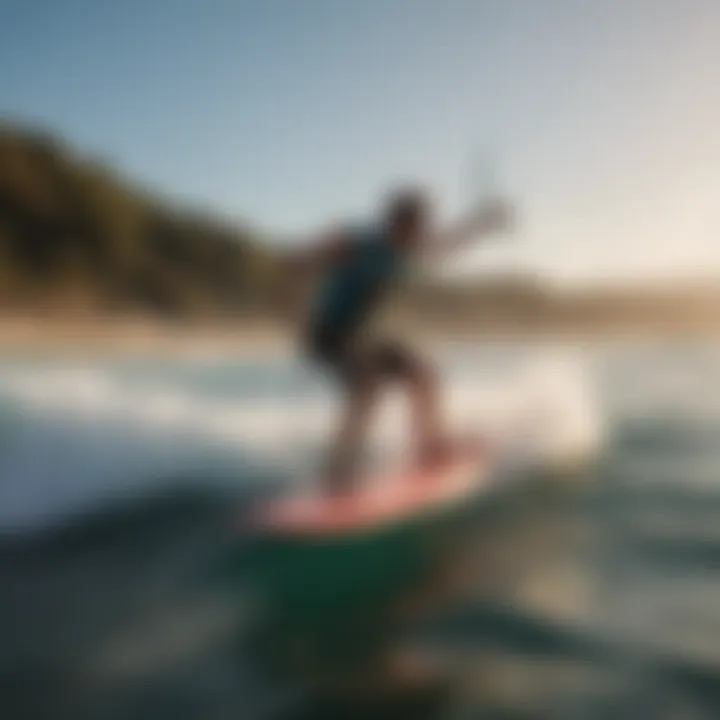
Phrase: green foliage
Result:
[71,229]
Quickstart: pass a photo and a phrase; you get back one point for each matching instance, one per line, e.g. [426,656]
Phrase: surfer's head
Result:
[407,216]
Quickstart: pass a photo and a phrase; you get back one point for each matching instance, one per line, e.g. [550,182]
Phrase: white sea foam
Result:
[86,432]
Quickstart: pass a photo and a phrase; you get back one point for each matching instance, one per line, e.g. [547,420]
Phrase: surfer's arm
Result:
[324,250]
[480,223]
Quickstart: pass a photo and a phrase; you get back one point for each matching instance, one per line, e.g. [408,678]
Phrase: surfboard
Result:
[312,557]
[380,500]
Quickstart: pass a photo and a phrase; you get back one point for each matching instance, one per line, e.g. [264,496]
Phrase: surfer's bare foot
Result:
[339,476]
[442,450]
[436,453]
[339,485]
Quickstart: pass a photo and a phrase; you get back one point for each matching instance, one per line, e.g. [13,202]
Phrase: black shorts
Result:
[357,363]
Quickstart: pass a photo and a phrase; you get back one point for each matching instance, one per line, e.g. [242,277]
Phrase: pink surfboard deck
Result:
[384,500]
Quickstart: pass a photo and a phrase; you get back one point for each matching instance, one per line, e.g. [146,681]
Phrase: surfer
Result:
[357,265]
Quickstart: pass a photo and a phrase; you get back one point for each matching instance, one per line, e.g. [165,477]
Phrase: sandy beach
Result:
[140,336]
[247,338]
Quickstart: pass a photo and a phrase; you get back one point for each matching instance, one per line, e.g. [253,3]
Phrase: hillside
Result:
[74,236]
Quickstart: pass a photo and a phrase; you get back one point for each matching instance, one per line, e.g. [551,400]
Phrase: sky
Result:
[600,120]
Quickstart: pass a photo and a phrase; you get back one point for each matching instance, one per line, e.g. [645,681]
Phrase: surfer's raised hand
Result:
[489,217]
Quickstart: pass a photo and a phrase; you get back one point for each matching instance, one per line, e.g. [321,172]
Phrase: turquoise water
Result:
[593,597]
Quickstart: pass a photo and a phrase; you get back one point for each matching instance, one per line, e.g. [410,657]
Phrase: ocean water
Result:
[588,590]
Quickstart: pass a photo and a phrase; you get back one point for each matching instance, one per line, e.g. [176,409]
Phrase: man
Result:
[357,266]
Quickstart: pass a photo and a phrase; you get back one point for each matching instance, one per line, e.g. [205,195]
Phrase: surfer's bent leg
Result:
[361,381]
[402,364]
[362,392]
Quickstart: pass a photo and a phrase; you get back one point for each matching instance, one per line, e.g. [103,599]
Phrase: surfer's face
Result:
[408,232]
[408,222]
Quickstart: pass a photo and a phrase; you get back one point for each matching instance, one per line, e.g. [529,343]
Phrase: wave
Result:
[83,433]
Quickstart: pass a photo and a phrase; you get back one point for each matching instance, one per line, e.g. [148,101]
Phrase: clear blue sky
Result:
[603,117]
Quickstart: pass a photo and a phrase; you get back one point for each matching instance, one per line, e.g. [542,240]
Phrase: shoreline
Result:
[139,337]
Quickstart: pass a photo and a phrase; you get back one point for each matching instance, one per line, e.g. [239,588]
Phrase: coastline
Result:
[141,336]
